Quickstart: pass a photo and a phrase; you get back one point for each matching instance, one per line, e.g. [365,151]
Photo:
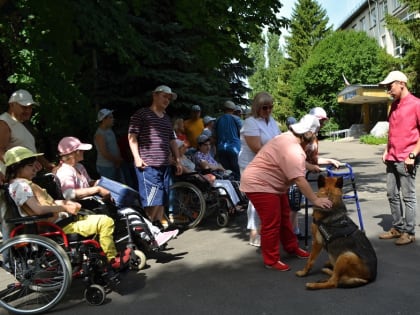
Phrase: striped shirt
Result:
[153,136]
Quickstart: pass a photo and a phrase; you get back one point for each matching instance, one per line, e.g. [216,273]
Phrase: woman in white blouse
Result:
[256,131]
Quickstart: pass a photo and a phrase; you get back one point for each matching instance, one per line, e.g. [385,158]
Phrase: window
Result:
[383,9]
[373,17]
[363,24]
[396,4]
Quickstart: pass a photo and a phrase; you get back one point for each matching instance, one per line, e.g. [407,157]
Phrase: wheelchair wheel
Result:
[222,219]
[35,276]
[138,260]
[188,203]
[95,294]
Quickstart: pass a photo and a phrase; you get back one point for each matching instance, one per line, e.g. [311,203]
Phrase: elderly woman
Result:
[266,179]
[256,131]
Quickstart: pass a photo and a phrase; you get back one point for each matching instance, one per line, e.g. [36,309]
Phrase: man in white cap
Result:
[401,158]
[13,133]
[266,180]
[228,143]
[108,158]
[151,139]
[194,126]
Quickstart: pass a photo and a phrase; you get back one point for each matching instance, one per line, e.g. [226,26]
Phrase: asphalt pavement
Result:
[212,270]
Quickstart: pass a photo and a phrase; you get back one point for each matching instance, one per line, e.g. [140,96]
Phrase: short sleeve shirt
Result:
[255,127]
[153,134]
[278,162]
[73,177]
[20,191]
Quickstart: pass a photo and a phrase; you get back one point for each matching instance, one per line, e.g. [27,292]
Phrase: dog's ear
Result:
[340,182]
[321,181]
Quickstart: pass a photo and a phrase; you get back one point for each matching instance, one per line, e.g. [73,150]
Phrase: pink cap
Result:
[68,145]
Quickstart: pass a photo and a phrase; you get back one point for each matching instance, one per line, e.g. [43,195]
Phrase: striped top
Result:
[153,136]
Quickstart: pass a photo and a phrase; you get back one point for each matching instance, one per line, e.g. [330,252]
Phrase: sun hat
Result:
[196,108]
[103,113]
[202,139]
[167,90]
[68,145]
[22,97]
[208,119]
[229,105]
[394,76]
[17,154]
[319,113]
[307,123]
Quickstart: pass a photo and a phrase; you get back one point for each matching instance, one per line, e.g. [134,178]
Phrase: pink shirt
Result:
[278,162]
[73,177]
[404,127]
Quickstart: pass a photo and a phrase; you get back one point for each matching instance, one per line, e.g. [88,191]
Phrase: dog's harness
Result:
[341,227]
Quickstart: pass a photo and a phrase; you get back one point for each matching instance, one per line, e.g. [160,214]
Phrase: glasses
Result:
[267,107]
[389,86]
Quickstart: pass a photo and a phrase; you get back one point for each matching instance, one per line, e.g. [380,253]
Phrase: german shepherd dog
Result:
[352,259]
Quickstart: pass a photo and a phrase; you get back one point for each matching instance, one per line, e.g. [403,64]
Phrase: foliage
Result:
[75,56]
[308,26]
[409,33]
[369,139]
[319,80]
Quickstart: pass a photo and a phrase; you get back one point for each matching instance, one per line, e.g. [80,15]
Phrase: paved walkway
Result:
[211,270]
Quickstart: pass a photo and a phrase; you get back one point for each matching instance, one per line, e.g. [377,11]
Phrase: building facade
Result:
[369,16]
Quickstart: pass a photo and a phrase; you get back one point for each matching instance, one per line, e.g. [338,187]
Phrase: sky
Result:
[337,10]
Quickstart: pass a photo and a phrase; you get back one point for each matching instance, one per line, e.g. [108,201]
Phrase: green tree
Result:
[319,80]
[408,32]
[308,26]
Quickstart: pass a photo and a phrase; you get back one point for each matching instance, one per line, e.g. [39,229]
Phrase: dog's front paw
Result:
[301,273]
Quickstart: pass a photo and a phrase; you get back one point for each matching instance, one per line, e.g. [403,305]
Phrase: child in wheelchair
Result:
[33,200]
[76,184]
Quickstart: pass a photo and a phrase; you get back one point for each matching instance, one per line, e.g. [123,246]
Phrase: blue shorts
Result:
[154,185]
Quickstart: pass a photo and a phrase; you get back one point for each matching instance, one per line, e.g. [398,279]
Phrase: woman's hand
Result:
[323,203]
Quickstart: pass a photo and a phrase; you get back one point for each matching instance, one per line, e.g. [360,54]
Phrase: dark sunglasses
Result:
[266,107]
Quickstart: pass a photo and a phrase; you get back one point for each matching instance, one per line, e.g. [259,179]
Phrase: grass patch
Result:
[369,139]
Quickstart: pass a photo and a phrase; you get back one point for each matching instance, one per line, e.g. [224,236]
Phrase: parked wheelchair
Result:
[193,198]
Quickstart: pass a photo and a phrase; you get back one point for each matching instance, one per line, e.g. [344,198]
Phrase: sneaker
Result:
[278,266]
[255,241]
[405,239]
[392,233]
[300,253]
[120,262]
[164,237]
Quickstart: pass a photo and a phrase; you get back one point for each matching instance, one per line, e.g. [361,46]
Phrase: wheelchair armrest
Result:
[29,219]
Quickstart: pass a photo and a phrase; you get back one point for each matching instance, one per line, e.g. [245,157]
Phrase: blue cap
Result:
[290,121]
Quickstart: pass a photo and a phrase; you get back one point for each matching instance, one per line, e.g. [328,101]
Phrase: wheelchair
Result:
[131,230]
[193,198]
[39,262]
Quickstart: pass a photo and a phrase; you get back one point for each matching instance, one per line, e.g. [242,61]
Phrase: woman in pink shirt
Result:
[280,163]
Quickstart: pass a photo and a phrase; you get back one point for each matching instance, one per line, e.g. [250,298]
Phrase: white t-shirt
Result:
[255,127]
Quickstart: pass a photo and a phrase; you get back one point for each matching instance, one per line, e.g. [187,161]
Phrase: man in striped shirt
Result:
[152,138]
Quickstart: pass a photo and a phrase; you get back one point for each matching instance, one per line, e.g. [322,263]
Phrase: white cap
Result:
[167,90]
[22,97]
[319,113]
[208,119]
[229,105]
[394,76]
[305,124]
[104,112]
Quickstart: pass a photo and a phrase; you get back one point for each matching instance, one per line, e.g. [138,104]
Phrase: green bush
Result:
[369,139]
